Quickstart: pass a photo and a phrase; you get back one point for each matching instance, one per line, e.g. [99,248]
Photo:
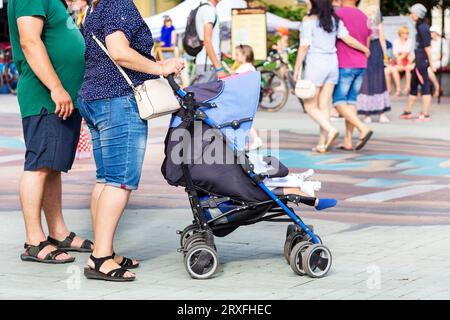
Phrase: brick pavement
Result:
[382,248]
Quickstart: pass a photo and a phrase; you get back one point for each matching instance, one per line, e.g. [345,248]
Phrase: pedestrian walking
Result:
[208,65]
[352,67]
[49,56]
[320,29]
[119,135]
[424,60]
[374,99]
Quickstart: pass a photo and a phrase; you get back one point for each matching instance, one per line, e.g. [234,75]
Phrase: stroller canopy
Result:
[236,100]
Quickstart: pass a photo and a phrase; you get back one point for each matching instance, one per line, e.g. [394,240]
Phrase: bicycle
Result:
[276,84]
[9,74]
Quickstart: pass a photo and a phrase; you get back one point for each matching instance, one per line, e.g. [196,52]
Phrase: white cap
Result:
[419,9]
[436,29]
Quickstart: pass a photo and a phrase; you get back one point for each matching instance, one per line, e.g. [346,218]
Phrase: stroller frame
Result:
[303,249]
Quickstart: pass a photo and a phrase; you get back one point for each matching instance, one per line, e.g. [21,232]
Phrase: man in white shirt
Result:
[208,62]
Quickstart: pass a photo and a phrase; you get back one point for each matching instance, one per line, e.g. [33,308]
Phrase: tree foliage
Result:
[397,7]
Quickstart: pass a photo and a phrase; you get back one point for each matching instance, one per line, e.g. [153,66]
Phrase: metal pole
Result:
[153,7]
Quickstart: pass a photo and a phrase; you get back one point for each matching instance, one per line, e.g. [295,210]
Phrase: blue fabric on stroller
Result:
[235,99]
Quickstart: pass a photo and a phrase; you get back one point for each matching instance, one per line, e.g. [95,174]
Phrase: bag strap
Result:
[122,72]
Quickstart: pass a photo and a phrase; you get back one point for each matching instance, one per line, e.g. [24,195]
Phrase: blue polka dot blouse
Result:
[102,80]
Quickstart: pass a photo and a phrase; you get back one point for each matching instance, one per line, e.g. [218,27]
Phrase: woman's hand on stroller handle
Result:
[169,66]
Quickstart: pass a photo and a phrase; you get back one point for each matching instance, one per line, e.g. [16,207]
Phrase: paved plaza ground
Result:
[389,235]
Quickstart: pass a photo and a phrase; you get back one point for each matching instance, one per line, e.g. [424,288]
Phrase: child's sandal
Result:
[116,275]
[32,252]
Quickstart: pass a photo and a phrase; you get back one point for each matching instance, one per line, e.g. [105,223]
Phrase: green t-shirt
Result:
[65,47]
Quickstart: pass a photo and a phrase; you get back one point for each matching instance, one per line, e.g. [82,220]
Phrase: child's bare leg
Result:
[296,191]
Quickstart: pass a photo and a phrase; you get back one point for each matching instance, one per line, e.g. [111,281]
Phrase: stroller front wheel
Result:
[295,237]
[201,262]
[188,232]
[296,257]
[317,261]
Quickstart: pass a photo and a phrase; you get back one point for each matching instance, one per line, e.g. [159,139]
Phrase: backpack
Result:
[191,40]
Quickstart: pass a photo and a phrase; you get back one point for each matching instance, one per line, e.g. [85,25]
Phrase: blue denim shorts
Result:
[349,86]
[119,138]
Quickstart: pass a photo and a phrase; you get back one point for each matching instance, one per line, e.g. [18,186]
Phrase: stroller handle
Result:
[174,85]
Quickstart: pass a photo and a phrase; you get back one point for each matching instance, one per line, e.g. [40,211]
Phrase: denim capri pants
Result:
[119,138]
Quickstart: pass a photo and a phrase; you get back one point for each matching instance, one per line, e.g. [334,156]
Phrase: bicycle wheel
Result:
[11,77]
[274,92]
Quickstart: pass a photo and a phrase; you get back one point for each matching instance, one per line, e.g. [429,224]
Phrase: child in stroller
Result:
[205,153]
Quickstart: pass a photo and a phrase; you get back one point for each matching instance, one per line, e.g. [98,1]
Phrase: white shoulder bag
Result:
[305,89]
[155,98]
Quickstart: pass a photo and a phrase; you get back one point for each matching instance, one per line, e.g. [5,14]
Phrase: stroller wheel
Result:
[290,242]
[317,261]
[193,240]
[187,233]
[293,239]
[296,257]
[201,262]
[200,238]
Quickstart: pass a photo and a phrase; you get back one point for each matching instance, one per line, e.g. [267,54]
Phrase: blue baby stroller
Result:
[226,193]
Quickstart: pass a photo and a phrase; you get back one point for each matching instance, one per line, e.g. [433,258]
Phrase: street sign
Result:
[249,26]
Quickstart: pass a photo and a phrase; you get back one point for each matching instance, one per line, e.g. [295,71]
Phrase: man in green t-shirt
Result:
[48,50]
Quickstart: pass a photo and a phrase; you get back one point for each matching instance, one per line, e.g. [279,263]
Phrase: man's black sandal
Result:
[66,244]
[126,263]
[116,275]
[32,252]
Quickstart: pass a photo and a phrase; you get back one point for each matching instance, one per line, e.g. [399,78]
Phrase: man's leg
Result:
[32,186]
[426,100]
[349,127]
[52,205]
[352,120]
[31,191]
[411,101]
[413,93]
